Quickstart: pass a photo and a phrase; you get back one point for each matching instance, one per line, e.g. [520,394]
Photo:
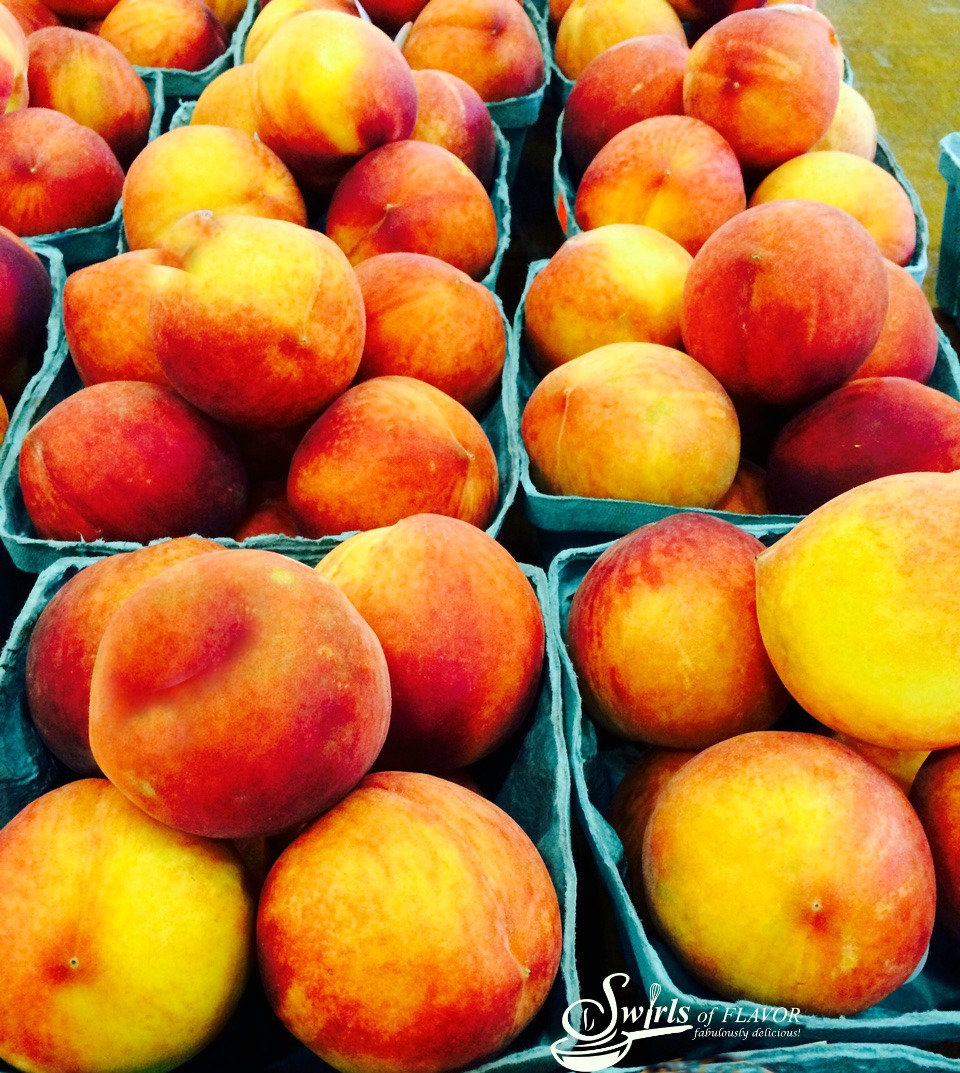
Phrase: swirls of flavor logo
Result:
[601,1040]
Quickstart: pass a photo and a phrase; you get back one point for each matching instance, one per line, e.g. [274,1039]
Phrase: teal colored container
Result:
[948,274]
[820,1058]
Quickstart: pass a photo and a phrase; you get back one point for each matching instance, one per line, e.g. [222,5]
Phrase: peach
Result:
[31,14]
[279,12]
[393,15]
[413,197]
[767,80]
[616,284]
[638,79]
[180,34]
[853,128]
[863,430]
[859,610]
[65,639]
[747,494]
[54,173]
[785,301]
[821,886]
[634,421]
[672,173]
[228,13]
[452,114]
[909,341]
[491,44]
[243,360]
[352,91]
[81,11]
[857,186]
[14,59]
[590,27]
[936,797]
[422,874]
[25,300]
[679,593]
[237,699]
[901,765]
[205,168]
[129,461]
[269,513]
[88,884]
[461,630]
[88,79]
[228,101]
[429,320]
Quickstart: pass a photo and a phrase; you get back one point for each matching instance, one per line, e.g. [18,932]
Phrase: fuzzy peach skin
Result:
[64,642]
[901,765]
[237,695]
[31,14]
[936,797]
[191,168]
[853,128]
[413,197]
[857,186]
[432,891]
[821,886]
[88,79]
[269,513]
[429,320]
[863,430]
[632,421]
[279,12]
[747,494]
[329,88]
[590,27]
[638,79]
[785,301]
[860,611]
[243,360]
[616,284]
[130,461]
[228,101]
[87,885]
[389,448]
[26,296]
[14,59]
[461,630]
[452,114]
[54,173]
[679,593]
[908,342]
[491,44]
[672,173]
[180,34]
[767,80]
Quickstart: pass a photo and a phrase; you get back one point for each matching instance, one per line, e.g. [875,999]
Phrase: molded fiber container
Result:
[948,274]
[818,1058]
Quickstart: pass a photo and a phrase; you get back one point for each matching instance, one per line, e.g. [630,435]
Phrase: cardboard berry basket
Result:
[948,274]
[529,777]
[926,1009]
[817,1058]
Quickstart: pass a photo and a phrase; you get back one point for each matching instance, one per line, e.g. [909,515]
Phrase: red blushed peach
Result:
[429,320]
[130,461]
[182,34]
[31,15]
[491,44]
[901,765]
[617,284]
[767,80]
[210,168]
[589,27]
[269,513]
[785,301]
[237,695]
[14,59]
[635,80]
[461,630]
[413,197]
[680,593]
[329,88]
[864,430]
[821,885]
[936,797]
[228,101]
[853,128]
[25,299]
[54,173]
[859,187]
[279,12]
[427,872]
[632,421]
[747,494]
[452,114]
[88,79]
[671,173]
[908,342]
[65,640]
[389,448]
[243,360]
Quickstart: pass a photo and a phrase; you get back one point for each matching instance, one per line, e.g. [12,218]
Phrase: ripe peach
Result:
[747,494]
[936,797]
[279,12]
[908,342]
[452,114]
[14,58]
[269,513]
[901,765]
[228,101]
[180,34]
[31,14]
[589,27]
[25,299]
[853,128]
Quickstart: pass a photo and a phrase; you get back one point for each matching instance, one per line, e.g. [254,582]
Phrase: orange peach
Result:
[429,320]
[936,797]
[413,197]
[26,296]
[237,695]
[130,461]
[65,640]
[228,101]
[908,342]
[31,14]
[634,421]
[616,284]
[452,114]
[406,882]
[901,765]
[205,168]
[672,173]
[389,448]
[590,27]
[853,128]
[269,513]
[180,34]
[14,59]
[747,494]
[279,12]
[461,630]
